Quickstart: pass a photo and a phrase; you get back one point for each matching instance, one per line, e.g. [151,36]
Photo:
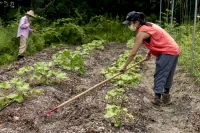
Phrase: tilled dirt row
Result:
[85,115]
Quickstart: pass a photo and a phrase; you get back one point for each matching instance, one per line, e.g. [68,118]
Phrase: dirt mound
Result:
[85,115]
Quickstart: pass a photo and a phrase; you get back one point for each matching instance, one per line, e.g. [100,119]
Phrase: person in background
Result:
[161,45]
[23,32]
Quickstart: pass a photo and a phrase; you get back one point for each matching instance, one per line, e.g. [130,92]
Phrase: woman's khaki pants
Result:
[23,45]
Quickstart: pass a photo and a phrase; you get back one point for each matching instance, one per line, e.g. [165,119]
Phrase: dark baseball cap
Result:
[131,17]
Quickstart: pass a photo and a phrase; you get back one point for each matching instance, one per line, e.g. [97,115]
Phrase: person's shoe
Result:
[166,99]
[20,57]
[152,103]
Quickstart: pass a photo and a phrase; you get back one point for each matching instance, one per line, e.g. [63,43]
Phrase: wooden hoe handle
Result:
[90,89]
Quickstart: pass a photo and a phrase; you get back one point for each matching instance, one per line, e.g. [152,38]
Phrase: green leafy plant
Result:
[41,73]
[69,60]
[131,77]
[116,96]
[15,90]
[117,113]
[86,49]
[114,110]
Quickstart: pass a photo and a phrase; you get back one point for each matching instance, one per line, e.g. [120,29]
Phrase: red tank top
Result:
[160,41]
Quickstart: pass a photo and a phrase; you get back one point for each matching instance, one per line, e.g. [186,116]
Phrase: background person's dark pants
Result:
[165,68]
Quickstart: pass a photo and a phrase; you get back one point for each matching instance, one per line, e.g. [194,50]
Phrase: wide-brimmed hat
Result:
[30,13]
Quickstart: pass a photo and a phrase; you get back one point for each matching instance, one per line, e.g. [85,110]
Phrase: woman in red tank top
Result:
[161,45]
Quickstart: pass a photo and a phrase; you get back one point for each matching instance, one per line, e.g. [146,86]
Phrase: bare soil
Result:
[85,115]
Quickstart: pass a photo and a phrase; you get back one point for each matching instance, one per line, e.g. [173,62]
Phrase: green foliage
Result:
[62,21]
[131,77]
[84,9]
[69,60]
[51,35]
[114,110]
[41,73]
[152,17]
[130,43]
[15,90]
[74,60]
[7,43]
[39,22]
[64,31]
[186,58]
[110,29]
[5,58]
[170,28]
[72,34]
[35,43]
[86,49]
[117,114]
[116,96]
[183,36]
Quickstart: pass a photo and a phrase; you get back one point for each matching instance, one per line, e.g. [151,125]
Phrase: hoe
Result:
[90,89]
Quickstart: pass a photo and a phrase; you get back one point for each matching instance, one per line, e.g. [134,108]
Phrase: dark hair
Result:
[142,19]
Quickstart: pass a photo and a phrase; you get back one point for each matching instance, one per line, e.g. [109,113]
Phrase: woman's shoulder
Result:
[151,26]
[23,18]
[151,29]
[145,27]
